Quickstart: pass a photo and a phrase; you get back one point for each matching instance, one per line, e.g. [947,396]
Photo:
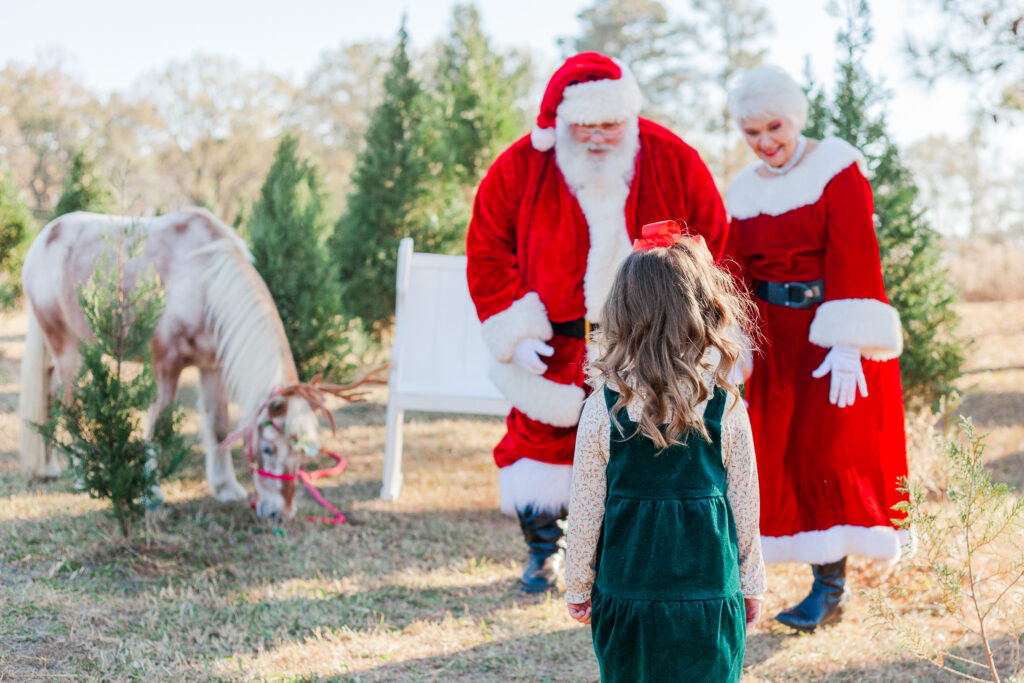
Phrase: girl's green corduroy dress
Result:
[666,601]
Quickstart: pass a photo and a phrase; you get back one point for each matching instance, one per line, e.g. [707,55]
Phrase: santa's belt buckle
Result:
[580,328]
[792,294]
[797,293]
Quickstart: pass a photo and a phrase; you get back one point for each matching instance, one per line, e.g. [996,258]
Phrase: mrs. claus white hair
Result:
[768,91]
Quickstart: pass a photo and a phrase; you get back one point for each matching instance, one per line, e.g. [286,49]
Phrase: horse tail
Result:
[33,399]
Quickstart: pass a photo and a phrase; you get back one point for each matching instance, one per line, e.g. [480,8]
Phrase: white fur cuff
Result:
[526,318]
[538,398]
[540,485]
[830,545]
[868,324]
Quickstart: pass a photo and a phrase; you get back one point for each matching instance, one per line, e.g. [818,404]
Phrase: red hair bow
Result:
[660,234]
[665,234]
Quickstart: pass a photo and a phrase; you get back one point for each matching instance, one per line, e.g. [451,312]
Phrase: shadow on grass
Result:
[1008,470]
[567,655]
[762,645]
[203,535]
[213,570]
[989,410]
[563,656]
[911,668]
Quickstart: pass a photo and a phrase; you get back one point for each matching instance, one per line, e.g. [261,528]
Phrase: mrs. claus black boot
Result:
[543,535]
[826,602]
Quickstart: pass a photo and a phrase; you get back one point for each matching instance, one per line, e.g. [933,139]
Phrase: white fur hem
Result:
[539,398]
[752,195]
[830,545]
[540,485]
[868,324]
[526,318]
[604,101]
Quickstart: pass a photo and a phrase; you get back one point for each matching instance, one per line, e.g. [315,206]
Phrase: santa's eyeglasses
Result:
[607,131]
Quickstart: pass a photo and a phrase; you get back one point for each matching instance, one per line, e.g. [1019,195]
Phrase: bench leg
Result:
[393,454]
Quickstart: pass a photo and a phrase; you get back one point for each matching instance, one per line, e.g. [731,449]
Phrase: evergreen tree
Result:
[15,225]
[394,195]
[918,287]
[99,427]
[474,101]
[287,230]
[82,189]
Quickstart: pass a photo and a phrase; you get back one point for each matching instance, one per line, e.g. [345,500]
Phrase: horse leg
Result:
[51,468]
[167,367]
[220,471]
[34,397]
[61,380]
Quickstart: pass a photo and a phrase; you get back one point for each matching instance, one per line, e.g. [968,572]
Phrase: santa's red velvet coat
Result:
[828,475]
[533,258]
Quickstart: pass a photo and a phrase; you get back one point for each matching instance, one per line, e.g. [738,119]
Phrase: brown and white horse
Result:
[218,316]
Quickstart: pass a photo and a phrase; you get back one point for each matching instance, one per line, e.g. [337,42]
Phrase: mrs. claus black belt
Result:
[580,328]
[792,294]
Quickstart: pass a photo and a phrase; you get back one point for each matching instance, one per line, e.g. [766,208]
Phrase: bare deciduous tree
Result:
[981,41]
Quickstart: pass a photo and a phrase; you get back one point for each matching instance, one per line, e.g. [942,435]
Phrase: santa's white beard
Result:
[601,186]
[596,174]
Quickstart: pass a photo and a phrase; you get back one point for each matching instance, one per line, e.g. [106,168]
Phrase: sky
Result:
[109,44]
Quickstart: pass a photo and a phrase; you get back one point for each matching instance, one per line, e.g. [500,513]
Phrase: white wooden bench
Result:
[438,360]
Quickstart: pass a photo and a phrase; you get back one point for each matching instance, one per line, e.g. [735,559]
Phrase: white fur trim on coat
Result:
[540,485]
[603,101]
[539,398]
[868,324]
[830,545]
[752,195]
[526,318]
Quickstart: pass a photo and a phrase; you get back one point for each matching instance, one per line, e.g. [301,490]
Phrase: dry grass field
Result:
[418,590]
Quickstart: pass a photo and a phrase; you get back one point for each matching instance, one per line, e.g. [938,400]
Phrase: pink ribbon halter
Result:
[252,426]
[306,477]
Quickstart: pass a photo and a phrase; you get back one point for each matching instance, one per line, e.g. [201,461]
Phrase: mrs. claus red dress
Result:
[828,475]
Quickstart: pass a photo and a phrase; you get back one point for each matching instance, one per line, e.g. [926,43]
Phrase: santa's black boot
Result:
[543,533]
[826,602]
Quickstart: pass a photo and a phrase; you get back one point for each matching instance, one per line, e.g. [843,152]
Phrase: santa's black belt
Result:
[580,328]
[792,294]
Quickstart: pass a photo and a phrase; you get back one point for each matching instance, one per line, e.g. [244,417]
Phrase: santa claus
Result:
[554,217]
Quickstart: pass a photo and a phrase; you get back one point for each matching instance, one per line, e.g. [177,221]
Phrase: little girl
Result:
[664,555]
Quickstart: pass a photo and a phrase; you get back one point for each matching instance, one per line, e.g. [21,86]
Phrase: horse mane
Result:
[251,344]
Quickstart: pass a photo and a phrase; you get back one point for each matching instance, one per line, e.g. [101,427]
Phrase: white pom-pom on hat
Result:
[542,139]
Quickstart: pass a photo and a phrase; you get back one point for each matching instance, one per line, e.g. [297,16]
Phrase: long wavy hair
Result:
[667,308]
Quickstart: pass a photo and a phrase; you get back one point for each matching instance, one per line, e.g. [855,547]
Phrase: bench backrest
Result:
[439,361]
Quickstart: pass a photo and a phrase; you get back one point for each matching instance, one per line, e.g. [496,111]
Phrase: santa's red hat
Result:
[588,89]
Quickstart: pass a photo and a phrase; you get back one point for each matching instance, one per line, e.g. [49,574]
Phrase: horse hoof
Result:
[231,492]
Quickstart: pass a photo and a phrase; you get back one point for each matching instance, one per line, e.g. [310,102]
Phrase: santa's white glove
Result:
[847,375]
[527,356]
